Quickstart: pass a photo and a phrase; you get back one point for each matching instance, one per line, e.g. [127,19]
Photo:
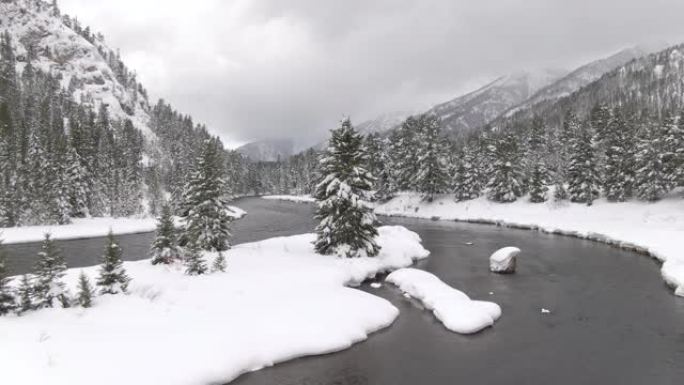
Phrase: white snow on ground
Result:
[452,307]
[291,198]
[278,300]
[502,259]
[656,229]
[87,228]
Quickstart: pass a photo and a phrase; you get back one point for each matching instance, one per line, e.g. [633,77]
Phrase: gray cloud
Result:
[271,69]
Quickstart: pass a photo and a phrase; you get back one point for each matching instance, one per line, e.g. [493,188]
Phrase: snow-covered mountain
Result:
[384,122]
[267,150]
[582,76]
[92,72]
[648,84]
[473,110]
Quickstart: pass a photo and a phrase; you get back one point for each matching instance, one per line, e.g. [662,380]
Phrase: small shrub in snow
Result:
[219,264]
[194,261]
[6,296]
[48,277]
[25,294]
[165,248]
[113,278]
[85,291]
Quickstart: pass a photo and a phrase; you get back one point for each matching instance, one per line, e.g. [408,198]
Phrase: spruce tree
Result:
[347,226]
[432,177]
[205,208]
[85,291]
[583,177]
[653,179]
[7,302]
[404,150]
[467,179]
[560,193]
[50,270]
[194,262]
[618,169]
[538,173]
[165,248]
[506,180]
[25,293]
[113,278]
[385,184]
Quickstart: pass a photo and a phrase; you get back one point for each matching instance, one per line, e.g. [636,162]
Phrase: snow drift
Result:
[278,300]
[452,307]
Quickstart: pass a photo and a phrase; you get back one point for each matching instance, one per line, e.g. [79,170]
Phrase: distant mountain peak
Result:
[269,150]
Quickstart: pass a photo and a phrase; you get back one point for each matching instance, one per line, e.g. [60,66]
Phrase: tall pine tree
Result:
[347,222]
[432,177]
[205,207]
[583,177]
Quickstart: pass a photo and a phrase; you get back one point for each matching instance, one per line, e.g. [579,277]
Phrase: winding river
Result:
[612,319]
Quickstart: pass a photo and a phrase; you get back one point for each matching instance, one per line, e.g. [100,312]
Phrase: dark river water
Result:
[612,319]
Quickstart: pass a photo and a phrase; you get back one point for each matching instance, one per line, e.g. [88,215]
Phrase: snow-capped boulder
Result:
[503,261]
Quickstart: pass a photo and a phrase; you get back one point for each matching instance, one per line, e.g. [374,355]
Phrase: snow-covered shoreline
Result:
[290,198]
[81,228]
[653,229]
[278,300]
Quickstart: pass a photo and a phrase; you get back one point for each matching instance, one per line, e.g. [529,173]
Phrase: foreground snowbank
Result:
[277,301]
[290,198]
[656,229]
[452,307]
[87,228]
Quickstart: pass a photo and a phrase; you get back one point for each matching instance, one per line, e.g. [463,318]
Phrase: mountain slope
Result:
[93,73]
[384,122]
[267,150]
[581,77]
[649,84]
[473,110]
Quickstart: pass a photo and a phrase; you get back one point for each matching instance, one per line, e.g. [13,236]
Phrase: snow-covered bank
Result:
[278,300]
[290,198]
[452,307]
[87,228]
[655,229]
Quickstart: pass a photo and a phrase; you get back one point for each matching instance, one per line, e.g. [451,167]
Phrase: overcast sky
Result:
[258,69]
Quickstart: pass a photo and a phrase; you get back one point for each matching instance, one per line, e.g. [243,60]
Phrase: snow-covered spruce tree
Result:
[77,182]
[165,248]
[560,193]
[385,184]
[205,209]
[85,291]
[50,269]
[194,262]
[433,176]
[404,149]
[652,177]
[25,294]
[583,177]
[619,163]
[505,184]
[538,173]
[467,181]
[7,302]
[347,225]
[373,146]
[113,278]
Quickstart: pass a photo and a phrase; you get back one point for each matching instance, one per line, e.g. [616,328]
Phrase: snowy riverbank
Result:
[86,228]
[290,198]
[278,300]
[656,229]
